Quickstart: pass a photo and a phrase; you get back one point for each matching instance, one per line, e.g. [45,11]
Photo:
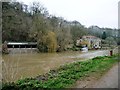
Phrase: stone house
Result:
[91,42]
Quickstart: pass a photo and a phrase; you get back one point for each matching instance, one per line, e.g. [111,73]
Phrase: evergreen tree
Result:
[104,35]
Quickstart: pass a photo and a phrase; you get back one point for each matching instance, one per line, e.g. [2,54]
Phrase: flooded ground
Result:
[18,66]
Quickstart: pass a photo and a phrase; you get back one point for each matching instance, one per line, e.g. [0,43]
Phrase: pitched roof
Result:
[90,36]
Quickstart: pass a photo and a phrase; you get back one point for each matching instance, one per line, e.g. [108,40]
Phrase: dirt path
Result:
[108,80]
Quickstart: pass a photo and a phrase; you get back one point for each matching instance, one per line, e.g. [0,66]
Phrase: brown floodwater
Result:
[22,65]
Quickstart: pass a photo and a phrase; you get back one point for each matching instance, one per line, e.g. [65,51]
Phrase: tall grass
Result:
[0,73]
[10,68]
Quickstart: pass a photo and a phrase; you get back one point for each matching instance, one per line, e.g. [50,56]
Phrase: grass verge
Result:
[65,76]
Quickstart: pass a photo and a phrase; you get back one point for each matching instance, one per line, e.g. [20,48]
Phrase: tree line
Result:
[22,23]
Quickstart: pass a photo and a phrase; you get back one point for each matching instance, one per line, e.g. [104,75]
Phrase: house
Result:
[91,42]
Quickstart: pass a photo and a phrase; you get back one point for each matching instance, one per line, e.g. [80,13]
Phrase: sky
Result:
[103,13]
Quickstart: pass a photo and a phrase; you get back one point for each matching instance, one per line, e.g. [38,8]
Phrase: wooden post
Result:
[13,46]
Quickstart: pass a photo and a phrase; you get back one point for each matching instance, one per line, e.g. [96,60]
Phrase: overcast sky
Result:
[103,13]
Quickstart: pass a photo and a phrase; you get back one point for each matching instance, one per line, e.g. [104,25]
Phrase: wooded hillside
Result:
[21,23]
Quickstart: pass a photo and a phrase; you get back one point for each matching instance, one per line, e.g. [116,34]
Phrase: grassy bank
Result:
[65,76]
